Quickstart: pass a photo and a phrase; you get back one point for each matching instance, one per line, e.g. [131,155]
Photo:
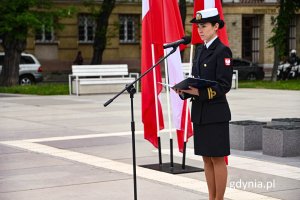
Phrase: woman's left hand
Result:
[192,91]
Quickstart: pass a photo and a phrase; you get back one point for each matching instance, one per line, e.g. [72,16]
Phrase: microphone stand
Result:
[131,90]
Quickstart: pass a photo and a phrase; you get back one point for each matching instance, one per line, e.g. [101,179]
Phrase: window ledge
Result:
[47,42]
[129,43]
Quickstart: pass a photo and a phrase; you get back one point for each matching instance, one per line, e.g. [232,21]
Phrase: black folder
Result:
[194,82]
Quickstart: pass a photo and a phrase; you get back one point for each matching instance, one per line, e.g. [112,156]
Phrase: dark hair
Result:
[220,22]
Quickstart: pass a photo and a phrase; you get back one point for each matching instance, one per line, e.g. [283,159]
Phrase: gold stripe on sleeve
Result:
[209,93]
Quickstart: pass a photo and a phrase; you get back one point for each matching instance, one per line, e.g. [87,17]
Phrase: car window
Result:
[244,63]
[236,63]
[1,60]
[26,60]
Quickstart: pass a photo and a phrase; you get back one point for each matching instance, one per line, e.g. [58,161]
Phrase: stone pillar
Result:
[246,135]
[281,140]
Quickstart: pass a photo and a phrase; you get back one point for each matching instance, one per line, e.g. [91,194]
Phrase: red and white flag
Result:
[173,30]
[161,23]
[150,18]
[205,4]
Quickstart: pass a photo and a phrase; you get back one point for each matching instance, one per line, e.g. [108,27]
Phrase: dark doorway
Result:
[247,38]
[250,38]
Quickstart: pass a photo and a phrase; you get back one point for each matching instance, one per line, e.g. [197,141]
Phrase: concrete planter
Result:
[281,140]
[246,135]
[286,121]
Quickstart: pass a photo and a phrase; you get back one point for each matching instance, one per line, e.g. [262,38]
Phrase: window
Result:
[44,35]
[26,60]
[240,63]
[236,63]
[250,38]
[255,39]
[244,63]
[292,35]
[129,29]
[1,59]
[86,28]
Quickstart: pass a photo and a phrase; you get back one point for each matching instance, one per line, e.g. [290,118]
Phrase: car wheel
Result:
[252,77]
[26,80]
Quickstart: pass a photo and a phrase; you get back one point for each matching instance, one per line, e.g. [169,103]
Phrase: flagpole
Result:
[169,110]
[156,106]
[187,111]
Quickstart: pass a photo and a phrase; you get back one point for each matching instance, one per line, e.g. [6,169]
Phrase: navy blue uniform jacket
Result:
[214,63]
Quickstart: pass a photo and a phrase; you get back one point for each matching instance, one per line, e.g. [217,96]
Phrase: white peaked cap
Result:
[210,12]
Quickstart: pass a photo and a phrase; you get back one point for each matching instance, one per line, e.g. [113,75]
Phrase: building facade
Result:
[249,26]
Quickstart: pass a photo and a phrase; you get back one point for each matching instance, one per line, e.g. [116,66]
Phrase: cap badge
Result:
[198,16]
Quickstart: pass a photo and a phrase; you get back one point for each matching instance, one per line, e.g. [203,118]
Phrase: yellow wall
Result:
[60,55]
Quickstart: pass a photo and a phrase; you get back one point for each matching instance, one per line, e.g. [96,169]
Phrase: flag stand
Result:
[183,156]
[171,153]
[130,88]
[159,151]
[156,108]
[173,168]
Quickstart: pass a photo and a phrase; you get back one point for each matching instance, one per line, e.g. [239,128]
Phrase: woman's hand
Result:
[193,91]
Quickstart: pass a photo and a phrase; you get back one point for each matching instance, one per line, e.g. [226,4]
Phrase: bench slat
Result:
[106,81]
[100,74]
[108,74]
[98,66]
[99,70]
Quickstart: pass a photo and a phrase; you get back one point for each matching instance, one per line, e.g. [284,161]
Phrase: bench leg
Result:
[70,85]
[77,86]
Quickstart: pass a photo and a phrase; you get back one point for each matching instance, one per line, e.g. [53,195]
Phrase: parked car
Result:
[30,71]
[248,70]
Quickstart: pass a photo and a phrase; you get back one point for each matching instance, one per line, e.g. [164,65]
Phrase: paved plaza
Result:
[73,148]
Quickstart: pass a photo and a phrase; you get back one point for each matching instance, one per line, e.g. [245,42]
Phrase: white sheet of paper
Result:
[167,85]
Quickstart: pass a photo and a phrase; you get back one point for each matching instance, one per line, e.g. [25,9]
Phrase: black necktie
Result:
[205,48]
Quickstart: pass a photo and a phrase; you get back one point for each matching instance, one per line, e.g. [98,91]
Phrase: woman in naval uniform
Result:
[210,111]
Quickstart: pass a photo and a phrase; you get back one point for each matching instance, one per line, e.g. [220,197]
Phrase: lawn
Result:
[38,89]
[63,88]
[282,85]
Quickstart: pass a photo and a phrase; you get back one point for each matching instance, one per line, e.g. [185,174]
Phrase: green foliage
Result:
[19,16]
[281,23]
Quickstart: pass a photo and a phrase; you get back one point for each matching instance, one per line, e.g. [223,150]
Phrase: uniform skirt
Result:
[212,140]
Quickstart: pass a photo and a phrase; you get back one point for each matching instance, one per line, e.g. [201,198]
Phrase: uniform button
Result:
[205,65]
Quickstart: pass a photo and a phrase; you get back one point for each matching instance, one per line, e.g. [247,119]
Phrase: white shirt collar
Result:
[211,41]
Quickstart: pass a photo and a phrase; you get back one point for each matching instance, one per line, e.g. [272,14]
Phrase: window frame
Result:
[43,34]
[87,18]
[292,34]
[125,20]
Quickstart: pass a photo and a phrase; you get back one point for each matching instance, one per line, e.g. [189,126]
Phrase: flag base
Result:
[176,169]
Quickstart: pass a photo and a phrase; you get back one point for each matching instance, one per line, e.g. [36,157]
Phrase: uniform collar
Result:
[210,42]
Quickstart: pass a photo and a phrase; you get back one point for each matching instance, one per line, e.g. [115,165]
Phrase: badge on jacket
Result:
[227,62]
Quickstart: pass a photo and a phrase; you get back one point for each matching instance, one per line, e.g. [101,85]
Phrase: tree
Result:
[18,17]
[101,16]
[287,10]
[182,8]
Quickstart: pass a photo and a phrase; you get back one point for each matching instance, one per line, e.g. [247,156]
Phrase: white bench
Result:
[235,75]
[91,79]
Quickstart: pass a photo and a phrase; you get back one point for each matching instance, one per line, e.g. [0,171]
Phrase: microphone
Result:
[183,40]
